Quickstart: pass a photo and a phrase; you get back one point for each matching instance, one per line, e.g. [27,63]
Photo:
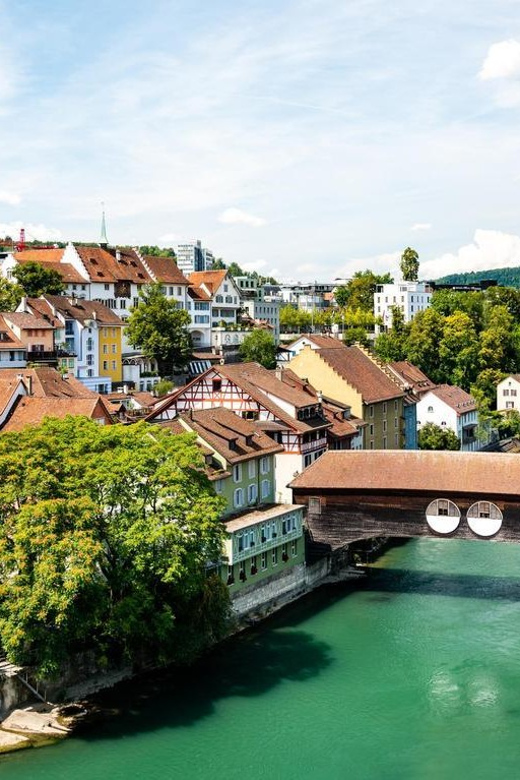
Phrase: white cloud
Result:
[11,198]
[489,249]
[169,238]
[37,232]
[380,264]
[254,265]
[234,216]
[502,61]
[419,226]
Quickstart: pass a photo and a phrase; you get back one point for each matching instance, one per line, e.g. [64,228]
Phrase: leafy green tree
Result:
[433,437]
[359,292]
[355,335]
[447,302]
[235,270]
[497,341]
[35,280]
[10,295]
[218,265]
[409,265]
[159,328]
[163,387]
[157,251]
[484,390]
[422,344]
[105,538]
[504,296]
[458,350]
[294,320]
[259,347]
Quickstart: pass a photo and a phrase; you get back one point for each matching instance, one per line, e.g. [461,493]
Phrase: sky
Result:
[306,139]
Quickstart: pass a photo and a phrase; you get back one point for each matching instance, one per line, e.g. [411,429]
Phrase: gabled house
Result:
[13,353]
[453,408]
[92,332]
[223,292]
[290,415]
[350,375]
[264,541]
[508,393]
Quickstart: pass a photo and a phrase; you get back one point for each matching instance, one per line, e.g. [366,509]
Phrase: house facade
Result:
[409,297]
[508,393]
[452,408]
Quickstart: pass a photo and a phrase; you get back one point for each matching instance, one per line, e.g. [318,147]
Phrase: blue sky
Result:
[313,138]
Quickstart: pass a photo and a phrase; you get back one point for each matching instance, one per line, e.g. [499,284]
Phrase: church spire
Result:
[104,239]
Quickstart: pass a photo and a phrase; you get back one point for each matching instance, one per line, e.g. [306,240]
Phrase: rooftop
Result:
[399,471]
[363,373]
[455,397]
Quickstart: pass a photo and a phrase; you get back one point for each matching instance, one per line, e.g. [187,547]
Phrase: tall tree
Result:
[259,347]
[35,280]
[458,350]
[409,265]
[359,292]
[105,537]
[160,329]
[422,345]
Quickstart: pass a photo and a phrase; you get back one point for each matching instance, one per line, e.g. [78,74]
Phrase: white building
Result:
[508,393]
[453,408]
[410,297]
[192,256]
[257,307]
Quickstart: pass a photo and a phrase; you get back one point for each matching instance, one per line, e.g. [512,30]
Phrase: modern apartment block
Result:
[192,256]
[410,297]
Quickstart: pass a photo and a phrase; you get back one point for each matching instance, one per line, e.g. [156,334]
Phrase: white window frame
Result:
[237,472]
[252,493]
[238,498]
[251,469]
[265,488]
[264,465]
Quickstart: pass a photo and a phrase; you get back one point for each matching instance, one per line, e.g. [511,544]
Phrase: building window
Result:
[219,485]
[90,360]
[384,407]
[274,556]
[264,465]
[396,422]
[371,429]
[370,411]
[216,385]
[384,442]
[266,488]
[252,493]
[251,469]
[263,561]
[105,349]
[430,409]
[238,499]
[506,392]
[397,440]
[237,472]
[105,365]
[294,548]
[114,349]
[384,425]
[114,365]
[107,287]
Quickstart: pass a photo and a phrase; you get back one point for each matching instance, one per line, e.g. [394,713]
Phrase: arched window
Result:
[443,516]
[430,409]
[484,518]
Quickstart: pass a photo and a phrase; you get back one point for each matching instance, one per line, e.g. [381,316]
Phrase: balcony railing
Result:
[38,356]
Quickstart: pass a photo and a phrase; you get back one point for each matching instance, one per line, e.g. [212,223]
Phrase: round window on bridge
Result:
[484,518]
[443,516]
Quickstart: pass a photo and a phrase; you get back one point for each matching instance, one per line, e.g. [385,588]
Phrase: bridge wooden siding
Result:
[368,494]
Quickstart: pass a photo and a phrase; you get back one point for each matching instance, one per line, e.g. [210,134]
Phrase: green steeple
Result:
[104,239]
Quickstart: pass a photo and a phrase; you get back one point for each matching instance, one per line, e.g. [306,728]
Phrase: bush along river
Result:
[413,672]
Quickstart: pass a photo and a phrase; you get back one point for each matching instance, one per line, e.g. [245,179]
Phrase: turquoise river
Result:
[413,672]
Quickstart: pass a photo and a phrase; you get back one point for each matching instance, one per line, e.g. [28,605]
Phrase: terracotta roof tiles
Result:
[361,372]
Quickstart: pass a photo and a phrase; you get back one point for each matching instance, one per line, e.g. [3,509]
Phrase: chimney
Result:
[278,372]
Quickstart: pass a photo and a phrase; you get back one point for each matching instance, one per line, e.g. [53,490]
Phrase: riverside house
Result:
[264,548]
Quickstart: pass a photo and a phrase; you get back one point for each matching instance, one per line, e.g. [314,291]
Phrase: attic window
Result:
[133,263]
[249,441]
[140,275]
[122,262]
[93,260]
[232,444]
[100,273]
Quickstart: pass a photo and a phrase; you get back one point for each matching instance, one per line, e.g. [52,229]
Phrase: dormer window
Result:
[93,260]
[100,273]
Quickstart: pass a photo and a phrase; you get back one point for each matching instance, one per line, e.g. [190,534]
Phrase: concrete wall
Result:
[278,590]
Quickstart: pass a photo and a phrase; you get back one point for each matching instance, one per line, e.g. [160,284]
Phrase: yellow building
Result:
[352,376]
[110,351]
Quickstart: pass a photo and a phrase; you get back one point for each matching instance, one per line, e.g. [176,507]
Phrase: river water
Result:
[412,673]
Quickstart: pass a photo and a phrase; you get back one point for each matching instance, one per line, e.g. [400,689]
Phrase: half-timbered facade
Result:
[289,415]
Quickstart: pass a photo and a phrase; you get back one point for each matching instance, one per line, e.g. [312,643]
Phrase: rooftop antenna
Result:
[104,239]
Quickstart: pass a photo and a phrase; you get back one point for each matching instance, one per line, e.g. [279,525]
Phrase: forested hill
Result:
[506,277]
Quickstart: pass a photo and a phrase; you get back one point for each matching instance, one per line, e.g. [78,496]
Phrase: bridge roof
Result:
[482,473]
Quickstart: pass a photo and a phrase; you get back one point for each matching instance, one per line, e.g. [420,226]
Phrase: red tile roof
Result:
[408,470]
[412,376]
[232,437]
[165,270]
[211,279]
[27,321]
[82,310]
[456,398]
[47,382]
[9,340]
[362,373]
[51,259]
[198,294]
[31,411]
[113,265]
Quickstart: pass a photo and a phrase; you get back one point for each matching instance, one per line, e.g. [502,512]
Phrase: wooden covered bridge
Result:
[353,495]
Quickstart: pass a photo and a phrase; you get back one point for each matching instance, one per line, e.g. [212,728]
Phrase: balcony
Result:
[41,356]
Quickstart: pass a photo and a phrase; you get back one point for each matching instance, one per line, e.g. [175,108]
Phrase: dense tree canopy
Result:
[433,437]
[160,329]
[105,539]
[259,347]
[10,294]
[359,292]
[35,280]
